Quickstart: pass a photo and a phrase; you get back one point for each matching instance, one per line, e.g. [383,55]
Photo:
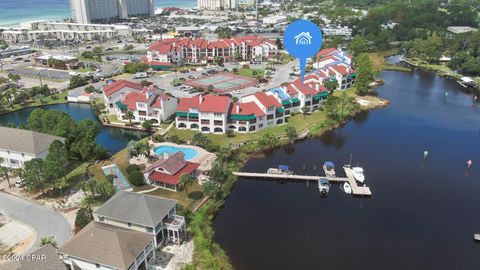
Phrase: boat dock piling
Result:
[356,189]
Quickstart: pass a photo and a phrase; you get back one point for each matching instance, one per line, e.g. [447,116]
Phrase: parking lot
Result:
[48,74]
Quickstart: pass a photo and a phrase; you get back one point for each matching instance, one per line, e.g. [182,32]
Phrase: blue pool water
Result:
[120,182]
[189,152]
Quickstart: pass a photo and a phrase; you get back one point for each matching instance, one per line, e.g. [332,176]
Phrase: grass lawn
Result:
[112,118]
[249,72]
[56,98]
[296,121]
[194,194]
[84,70]
[379,64]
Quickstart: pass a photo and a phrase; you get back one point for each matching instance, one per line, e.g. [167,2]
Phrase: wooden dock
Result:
[356,189]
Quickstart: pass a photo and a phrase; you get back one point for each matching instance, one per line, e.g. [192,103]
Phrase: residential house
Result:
[146,214]
[168,169]
[208,114]
[20,145]
[103,246]
[117,90]
[45,258]
[150,104]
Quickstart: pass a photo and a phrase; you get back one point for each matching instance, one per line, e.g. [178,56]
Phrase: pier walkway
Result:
[356,189]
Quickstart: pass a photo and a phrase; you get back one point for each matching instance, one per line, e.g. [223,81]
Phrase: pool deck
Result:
[204,158]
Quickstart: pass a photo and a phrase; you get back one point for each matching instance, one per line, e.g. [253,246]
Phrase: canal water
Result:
[422,214]
[112,139]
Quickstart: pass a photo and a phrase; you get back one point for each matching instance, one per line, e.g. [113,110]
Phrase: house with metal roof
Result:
[148,214]
[20,145]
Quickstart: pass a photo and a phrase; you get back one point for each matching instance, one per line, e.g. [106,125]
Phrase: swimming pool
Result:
[120,182]
[189,152]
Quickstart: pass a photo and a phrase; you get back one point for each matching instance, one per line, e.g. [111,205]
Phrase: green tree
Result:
[48,241]
[77,81]
[4,172]
[14,77]
[279,43]
[136,178]
[358,45]
[35,175]
[148,125]
[105,189]
[56,164]
[365,74]
[200,139]
[21,98]
[268,140]
[130,116]
[218,172]
[133,67]
[186,180]
[331,85]
[291,132]
[210,88]
[210,188]
[90,89]
[84,216]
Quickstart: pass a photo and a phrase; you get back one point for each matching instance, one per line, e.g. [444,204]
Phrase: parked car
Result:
[204,73]
[193,69]
[140,75]
[191,77]
[19,183]
[177,84]
[182,79]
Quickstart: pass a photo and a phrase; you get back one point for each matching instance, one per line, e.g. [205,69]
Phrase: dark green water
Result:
[112,139]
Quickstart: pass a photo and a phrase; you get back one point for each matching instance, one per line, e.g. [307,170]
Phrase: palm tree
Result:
[4,173]
[129,115]
[48,241]
[186,180]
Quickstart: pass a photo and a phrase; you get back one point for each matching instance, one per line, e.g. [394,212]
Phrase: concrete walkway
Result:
[43,220]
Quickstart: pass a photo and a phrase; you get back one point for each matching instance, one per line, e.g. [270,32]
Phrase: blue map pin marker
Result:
[302,39]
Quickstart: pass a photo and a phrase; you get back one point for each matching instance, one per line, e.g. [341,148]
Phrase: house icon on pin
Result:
[303,38]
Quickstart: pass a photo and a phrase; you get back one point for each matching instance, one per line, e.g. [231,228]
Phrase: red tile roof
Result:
[218,104]
[247,108]
[173,179]
[131,101]
[267,100]
[304,88]
[186,103]
[340,69]
[157,101]
[326,52]
[119,85]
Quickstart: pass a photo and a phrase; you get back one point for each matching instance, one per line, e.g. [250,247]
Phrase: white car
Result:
[19,183]
[140,75]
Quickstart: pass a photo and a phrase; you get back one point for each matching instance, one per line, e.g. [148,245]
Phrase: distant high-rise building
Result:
[104,11]
[216,4]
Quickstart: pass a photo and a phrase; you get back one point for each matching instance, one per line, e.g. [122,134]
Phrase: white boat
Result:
[347,188]
[282,170]
[329,169]
[323,186]
[358,174]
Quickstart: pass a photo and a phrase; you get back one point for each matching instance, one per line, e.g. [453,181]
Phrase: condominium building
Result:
[336,65]
[146,103]
[166,52]
[103,11]
[216,4]
[47,30]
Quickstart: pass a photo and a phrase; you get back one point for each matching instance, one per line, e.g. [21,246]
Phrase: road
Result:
[45,221]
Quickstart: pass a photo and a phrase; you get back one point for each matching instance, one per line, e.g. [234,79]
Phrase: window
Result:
[97,265]
[260,125]
[14,161]
[102,219]
[23,154]
[141,105]
[129,224]
[149,229]
[217,114]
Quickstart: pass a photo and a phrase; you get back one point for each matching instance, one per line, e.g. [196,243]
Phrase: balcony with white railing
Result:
[174,223]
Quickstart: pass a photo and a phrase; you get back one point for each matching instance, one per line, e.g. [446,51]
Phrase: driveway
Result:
[45,221]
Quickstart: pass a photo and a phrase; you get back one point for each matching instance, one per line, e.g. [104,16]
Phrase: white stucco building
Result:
[104,11]
[216,4]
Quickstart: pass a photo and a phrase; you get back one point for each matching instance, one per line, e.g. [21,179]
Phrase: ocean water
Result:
[13,12]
